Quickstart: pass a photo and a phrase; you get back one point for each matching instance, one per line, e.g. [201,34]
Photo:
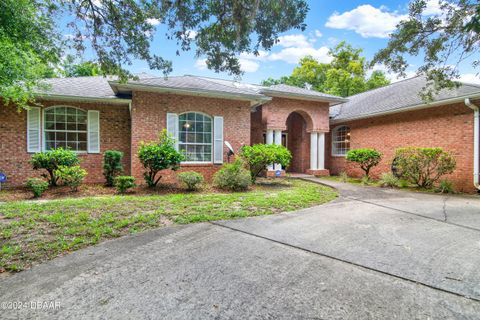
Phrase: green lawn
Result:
[32,232]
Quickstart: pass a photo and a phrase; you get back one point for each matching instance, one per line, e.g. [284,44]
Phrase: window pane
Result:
[50,125]
[82,127]
[60,126]
[60,136]
[82,146]
[71,136]
[72,126]
[82,136]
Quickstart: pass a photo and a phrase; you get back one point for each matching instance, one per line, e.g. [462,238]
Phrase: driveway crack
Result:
[445,209]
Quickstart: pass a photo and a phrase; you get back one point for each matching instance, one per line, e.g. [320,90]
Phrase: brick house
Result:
[94,114]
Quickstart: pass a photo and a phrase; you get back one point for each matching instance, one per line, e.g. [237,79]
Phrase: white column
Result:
[277,140]
[270,141]
[321,151]
[313,150]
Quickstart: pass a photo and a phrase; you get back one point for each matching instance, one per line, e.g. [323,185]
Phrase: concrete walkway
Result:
[371,254]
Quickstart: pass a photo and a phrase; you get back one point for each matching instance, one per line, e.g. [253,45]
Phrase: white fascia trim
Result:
[409,108]
[83,99]
[189,92]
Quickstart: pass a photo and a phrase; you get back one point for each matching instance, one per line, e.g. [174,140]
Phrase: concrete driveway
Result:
[371,254]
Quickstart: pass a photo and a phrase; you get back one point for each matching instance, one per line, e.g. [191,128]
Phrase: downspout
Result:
[476,142]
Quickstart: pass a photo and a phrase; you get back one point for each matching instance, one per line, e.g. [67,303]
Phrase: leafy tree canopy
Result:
[71,68]
[117,31]
[344,76]
[444,41]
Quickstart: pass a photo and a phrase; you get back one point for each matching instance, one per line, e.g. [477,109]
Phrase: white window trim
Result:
[334,133]
[42,133]
[194,143]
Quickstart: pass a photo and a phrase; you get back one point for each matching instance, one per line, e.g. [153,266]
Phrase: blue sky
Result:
[364,24]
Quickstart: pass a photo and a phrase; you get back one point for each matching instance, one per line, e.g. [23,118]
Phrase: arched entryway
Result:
[298,142]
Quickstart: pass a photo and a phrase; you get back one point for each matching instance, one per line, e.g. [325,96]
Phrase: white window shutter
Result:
[172,127]
[218,140]
[93,131]
[33,130]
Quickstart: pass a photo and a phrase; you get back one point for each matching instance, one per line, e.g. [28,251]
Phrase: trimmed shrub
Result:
[71,176]
[259,156]
[423,166]
[123,183]
[112,166]
[343,177]
[366,158]
[191,179]
[445,186]
[389,180]
[159,155]
[233,176]
[51,160]
[37,186]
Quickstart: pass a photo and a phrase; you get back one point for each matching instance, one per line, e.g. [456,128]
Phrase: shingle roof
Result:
[194,83]
[396,96]
[296,91]
[90,87]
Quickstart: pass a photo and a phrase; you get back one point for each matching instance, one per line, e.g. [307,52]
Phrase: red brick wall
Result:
[14,159]
[149,113]
[276,112]
[449,127]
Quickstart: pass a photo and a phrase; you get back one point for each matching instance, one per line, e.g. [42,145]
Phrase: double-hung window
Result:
[65,127]
[340,141]
[195,136]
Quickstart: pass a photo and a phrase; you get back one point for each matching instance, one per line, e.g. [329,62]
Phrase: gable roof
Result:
[396,97]
[109,88]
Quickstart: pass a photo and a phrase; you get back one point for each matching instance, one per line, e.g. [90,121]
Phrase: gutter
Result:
[83,98]
[476,141]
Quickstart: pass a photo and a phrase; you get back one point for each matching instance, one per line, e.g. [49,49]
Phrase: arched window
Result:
[65,127]
[195,136]
[340,141]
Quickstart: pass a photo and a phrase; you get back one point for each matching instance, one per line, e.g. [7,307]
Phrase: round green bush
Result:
[112,166]
[233,177]
[123,183]
[259,156]
[191,179]
[37,186]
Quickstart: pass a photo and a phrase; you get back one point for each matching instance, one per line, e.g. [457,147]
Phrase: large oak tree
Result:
[118,31]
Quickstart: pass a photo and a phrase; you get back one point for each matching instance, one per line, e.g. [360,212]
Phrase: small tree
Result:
[159,155]
[423,166]
[366,158]
[112,166]
[259,156]
[51,160]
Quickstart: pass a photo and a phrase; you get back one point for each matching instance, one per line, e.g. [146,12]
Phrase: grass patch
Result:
[32,232]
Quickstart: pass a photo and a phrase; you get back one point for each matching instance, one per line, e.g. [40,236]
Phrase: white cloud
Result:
[201,64]
[153,22]
[433,8]
[192,34]
[293,40]
[470,78]
[294,54]
[318,34]
[367,21]
[248,65]
[393,77]
[261,55]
